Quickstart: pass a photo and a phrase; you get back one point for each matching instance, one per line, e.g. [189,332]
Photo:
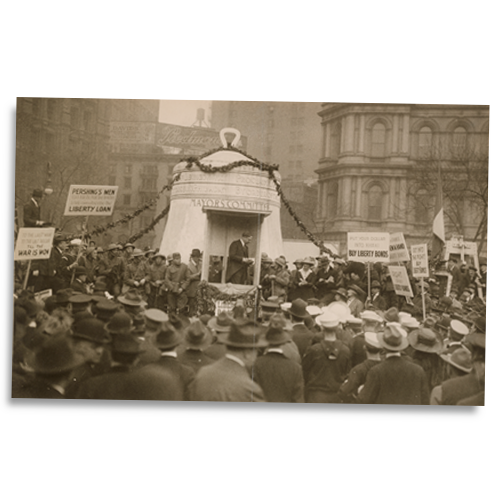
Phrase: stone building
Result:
[379,166]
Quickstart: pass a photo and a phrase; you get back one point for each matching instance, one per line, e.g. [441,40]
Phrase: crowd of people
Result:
[124,323]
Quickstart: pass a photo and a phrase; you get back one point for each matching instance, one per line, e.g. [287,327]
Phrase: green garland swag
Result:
[208,294]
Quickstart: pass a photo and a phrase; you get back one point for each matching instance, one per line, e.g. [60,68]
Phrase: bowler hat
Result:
[243,333]
[91,329]
[37,193]
[55,356]
[298,308]
[126,344]
[131,298]
[168,337]
[195,252]
[221,323]
[460,358]
[425,340]
[120,324]
[197,336]
[392,339]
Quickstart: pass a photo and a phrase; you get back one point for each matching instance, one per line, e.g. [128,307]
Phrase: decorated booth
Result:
[216,197]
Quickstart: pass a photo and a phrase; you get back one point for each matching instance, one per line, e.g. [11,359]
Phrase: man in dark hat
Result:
[79,283]
[197,338]
[157,272]
[176,283]
[280,377]
[166,341]
[301,335]
[395,380]
[89,340]
[193,277]
[326,364]
[228,379]
[32,210]
[54,362]
[132,302]
[238,260]
[357,375]
[115,270]
[325,280]
[377,301]
[124,383]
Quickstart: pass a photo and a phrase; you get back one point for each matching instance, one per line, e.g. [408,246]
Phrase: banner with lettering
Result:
[400,280]
[368,247]
[34,243]
[398,251]
[91,200]
[420,261]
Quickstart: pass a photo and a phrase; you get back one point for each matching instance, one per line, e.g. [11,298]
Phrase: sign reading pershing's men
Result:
[368,247]
[91,200]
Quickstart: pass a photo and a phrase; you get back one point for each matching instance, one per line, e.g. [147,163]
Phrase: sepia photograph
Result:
[250,251]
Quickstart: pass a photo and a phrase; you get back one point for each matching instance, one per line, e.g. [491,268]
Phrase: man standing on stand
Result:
[238,261]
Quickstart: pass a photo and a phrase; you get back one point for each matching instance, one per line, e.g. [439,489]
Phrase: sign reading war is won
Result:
[91,200]
[368,247]
[34,244]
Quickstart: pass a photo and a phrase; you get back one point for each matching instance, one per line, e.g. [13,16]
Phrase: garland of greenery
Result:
[208,294]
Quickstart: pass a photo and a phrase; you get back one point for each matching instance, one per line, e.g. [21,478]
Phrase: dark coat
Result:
[325,366]
[31,214]
[225,380]
[148,383]
[280,378]
[304,292]
[302,336]
[195,359]
[395,381]
[183,374]
[358,354]
[236,270]
[34,387]
[356,379]
[458,388]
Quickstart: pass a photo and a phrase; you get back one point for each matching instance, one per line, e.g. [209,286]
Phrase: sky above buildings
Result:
[183,112]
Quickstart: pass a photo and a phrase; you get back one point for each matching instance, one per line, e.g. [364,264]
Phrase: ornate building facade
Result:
[380,163]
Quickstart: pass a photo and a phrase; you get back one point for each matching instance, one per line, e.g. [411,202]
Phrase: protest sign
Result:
[368,247]
[91,200]
[34,243]
[398,251]
[419,261]
[400,281]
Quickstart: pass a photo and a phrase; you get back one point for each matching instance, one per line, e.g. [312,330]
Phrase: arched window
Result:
[459,139]
[375,201]
[424,142]
[378,141]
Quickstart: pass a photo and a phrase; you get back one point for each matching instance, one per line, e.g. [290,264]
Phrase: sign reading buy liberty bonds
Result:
[34,244]
[91,200]
[419,261]
[400,281]
[368,247]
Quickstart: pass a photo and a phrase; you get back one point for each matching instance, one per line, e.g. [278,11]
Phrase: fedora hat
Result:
[221,323]
[275,333]
[392,339]
[120,324]
[243,333]
[197,336]
[168,337]
[460,358]
[132,298]
[370,316]
[425,340]
[179,321]
[342,292]
[56,355]
[355,288]
[280,261]
[392,315]
[126,344]
[91,329]
[298,308]
[327,320]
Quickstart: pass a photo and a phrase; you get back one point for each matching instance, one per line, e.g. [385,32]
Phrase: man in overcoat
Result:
[238,260]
